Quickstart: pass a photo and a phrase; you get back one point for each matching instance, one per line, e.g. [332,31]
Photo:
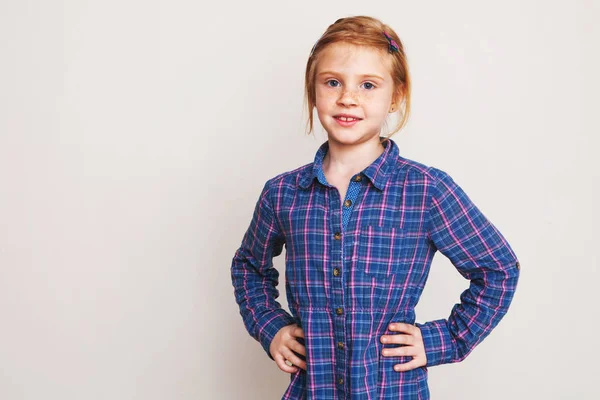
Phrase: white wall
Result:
[135,137]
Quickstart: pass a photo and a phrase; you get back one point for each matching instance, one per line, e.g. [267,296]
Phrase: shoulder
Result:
[427,185]
[419,180]
[415,170]
[288,179]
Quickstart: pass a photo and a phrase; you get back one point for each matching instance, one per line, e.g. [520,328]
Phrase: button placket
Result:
[339,318]
[338,224]
[337,288]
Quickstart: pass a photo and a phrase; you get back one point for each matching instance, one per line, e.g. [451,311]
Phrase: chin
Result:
[349,136]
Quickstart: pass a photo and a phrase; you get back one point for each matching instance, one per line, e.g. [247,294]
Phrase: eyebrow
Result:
[362,76]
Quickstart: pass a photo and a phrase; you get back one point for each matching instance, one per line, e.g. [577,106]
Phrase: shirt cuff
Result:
[274,321]
[439,345]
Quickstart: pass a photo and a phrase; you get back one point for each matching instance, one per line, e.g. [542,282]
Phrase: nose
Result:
[348,98]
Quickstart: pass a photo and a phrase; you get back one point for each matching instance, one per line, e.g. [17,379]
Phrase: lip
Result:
[346,123]
[346,115]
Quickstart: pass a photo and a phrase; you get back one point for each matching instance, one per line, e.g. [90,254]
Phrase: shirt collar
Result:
[377,172]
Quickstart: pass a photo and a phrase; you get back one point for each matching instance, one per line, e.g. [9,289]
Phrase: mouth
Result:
[346,120]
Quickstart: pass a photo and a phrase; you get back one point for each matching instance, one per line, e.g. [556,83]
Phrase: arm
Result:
[481,254]
[255,279]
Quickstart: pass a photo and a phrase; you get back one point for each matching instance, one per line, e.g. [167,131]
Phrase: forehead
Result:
[350,59]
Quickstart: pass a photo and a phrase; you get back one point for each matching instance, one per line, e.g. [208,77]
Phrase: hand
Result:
[413,346]
[283,346]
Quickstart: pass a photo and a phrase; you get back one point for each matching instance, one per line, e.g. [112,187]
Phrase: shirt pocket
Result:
[382,253]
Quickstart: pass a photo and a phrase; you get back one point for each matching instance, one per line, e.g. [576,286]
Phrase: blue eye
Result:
[369,87]
[369,83]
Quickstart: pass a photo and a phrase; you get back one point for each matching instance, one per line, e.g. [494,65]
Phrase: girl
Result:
[361,225]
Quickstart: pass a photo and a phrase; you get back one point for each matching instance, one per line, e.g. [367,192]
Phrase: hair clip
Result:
[393,46]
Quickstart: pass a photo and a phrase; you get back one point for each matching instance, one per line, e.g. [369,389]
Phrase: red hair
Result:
[361,31]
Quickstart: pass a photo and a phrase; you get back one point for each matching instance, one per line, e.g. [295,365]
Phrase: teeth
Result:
[346,119]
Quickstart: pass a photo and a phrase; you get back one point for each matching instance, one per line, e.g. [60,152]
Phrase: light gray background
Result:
[135,137]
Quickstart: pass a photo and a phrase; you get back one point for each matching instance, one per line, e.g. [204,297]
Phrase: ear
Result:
[399,96]
[397,99]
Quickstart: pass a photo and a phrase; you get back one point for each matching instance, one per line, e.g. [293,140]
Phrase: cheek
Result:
[324,99]
[379,107]
[325,94]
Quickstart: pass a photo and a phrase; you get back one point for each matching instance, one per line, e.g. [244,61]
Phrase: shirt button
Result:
[337,236]
[357,178]
[348,203]
[336,272]
[339,311]
[340,380]
[341,345]
[518,265]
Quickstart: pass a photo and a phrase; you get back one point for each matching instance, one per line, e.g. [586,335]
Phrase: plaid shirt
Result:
[354,266]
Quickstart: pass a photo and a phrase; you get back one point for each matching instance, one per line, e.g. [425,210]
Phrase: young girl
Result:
[361,225]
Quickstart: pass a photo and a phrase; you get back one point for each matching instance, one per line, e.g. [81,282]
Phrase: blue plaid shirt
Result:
[355,265]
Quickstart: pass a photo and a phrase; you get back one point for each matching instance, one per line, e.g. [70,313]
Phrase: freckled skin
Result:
[344,84]
[345,90]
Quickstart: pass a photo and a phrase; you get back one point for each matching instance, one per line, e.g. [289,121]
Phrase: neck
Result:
[347,160]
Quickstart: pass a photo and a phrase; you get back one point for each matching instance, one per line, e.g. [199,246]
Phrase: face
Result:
[354,81]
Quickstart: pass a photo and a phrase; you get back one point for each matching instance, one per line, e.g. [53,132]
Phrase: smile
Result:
[346,121]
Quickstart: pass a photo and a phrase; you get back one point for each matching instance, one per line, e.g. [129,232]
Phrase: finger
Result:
[298,362]
[298,347]
[280,361]
[299,350]
[294,359]
[414,363]
[400,351]
[298,332]
[403,327]
[398,338]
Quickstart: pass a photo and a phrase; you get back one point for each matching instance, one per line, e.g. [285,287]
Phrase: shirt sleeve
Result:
[481,254]
[255,279]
